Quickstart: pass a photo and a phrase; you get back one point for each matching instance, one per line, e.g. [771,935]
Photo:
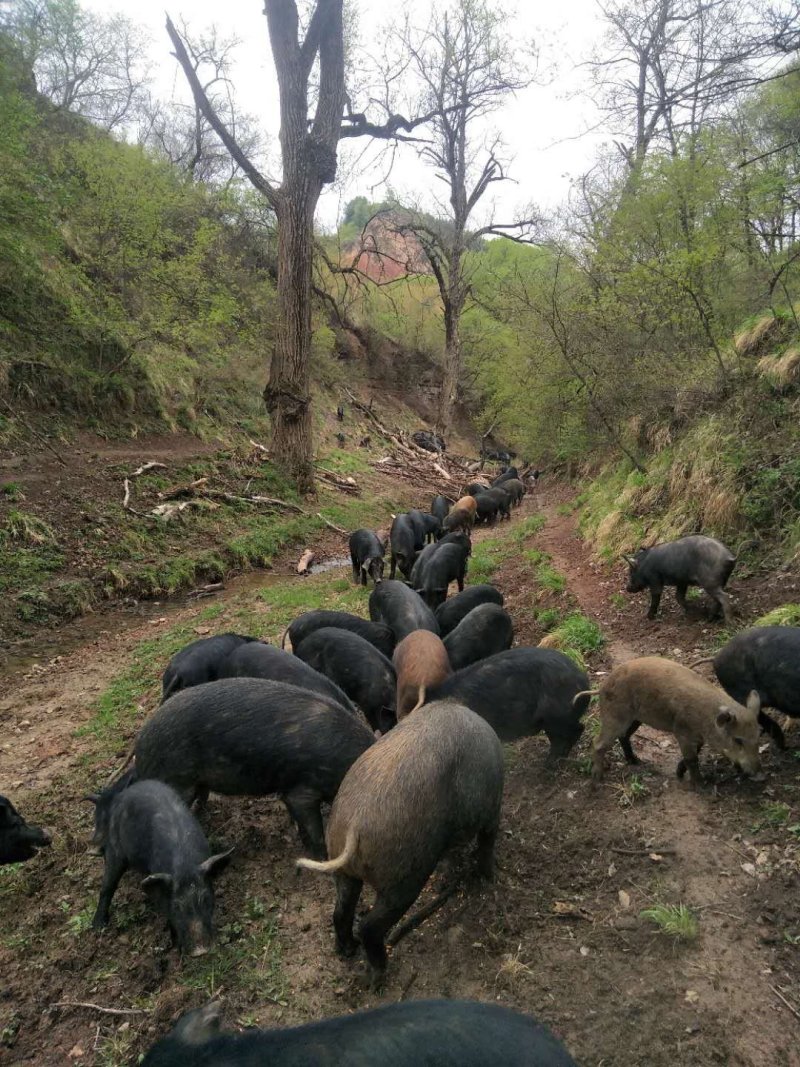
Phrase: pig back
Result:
[247,736]
[434,780]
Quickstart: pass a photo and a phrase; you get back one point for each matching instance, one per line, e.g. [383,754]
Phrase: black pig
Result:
[377,634]
[694,560]
[18,841]
[450,614]
[401,609]
[403,539]
[487,629]
[765,659]
[448,1033]
[199,662]
[357,667]
[273,664]
[250,737]
[448,564]
[440,507]
[522,692]
[149,828]
[366,555]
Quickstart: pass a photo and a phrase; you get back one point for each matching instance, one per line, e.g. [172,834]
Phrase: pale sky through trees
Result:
[541,127]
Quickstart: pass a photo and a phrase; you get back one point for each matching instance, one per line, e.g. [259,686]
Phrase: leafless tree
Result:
[84,62]
[180,132]
[468,68]
[309,63]
[666,66]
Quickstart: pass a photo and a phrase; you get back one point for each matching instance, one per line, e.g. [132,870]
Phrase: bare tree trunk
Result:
[451,367]
[287,393]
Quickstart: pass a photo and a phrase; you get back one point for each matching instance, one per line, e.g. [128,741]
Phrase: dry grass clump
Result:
[750,340]
[782,371]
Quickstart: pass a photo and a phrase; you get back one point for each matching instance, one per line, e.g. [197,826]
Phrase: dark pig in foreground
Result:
[199,662]
[696,560]
[275,665]
[377,634]
[669,696]
[366,555]
[149,829]
[486,630]
[522,692]
[403,545]
[421,663]
[765,659]
[18,840]
[401,609]
[435,781]
[418,1033]
[450,614]
[250,737]
[357,667]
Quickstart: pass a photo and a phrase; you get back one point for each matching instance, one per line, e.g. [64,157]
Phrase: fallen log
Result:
[205,590]
[305,561]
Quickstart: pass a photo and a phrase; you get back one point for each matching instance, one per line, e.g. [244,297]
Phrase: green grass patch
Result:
[28,530]
[785,615]
[486,558]
[548,618]
[528,527]
[675,920]
[581,633]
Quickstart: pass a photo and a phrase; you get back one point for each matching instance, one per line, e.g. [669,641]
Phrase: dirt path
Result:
[732,973]
[559,934]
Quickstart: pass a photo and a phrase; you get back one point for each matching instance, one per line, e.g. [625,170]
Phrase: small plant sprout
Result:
[632,791]
[675,920]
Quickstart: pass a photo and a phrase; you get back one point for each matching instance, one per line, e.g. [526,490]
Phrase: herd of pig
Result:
[397,722]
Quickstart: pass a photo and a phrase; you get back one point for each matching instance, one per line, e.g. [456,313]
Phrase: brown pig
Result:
[433,781]
[421,662]
[461,515]
[671,697]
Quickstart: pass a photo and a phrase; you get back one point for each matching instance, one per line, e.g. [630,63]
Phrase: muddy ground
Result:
[560,934]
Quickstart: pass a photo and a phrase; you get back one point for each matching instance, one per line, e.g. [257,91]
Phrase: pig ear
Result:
[754,702]
[725,716]
[214,864]
[200,1026]
[93,798]
[157,881]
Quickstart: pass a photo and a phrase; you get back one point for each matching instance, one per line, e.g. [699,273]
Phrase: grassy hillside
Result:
[726,462]
[129,296]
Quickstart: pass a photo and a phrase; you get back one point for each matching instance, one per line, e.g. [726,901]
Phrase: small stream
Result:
[117,617]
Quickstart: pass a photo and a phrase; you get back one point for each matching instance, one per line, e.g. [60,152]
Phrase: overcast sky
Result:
[543,127]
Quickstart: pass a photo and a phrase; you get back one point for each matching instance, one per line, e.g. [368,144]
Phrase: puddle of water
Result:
[329,565]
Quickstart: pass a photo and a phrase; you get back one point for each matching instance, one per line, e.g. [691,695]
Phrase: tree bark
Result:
[287,392]
[451,369]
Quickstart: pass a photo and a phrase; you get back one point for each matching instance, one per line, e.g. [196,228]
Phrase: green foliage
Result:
[581,633]
[126,290]
[675,920]
[785,615]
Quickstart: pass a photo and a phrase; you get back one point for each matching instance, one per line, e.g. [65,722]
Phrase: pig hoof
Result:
[375,980]
[348,949]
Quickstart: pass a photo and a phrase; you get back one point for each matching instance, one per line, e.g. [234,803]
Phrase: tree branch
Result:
[256,178]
